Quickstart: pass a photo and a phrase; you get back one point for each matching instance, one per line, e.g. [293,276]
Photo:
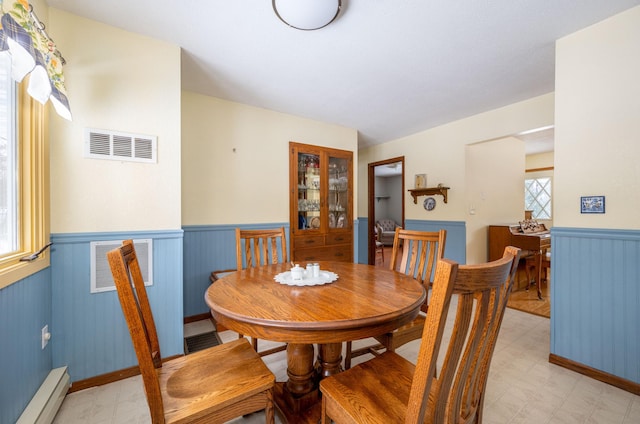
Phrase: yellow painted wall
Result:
[494,181]
[120,81]
[235,159]
[539,160]
[440,153]
[597,129]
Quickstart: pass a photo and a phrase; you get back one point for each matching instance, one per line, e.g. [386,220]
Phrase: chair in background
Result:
[386,229]
[531,264]
[260,247]
[213,277]
[212,385]
[420,253]
[379,249]
[546,265]
[390,389]
[256,248]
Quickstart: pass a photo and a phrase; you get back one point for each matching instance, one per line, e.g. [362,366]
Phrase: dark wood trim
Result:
[371,185]
[194,318]
[416,192]
[619,382]
[548,168]
[199,317]
[110,377]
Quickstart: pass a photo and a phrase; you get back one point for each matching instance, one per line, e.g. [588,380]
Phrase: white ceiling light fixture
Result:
[307,15]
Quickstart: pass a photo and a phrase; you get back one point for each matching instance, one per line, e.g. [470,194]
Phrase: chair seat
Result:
[208,381]
[390,341]
[387,395]
[212,386]
[402,335]
[390,389]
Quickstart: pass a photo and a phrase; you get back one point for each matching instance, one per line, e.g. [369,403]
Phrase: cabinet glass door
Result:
[339,192]
[308,191]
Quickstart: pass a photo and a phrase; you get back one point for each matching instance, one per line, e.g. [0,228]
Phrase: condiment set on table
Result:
[311,276]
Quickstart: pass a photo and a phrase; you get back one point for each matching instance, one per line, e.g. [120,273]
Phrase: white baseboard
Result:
[45,403]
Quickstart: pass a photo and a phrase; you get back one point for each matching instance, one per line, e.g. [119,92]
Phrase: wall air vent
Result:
[103,144]
[101,278]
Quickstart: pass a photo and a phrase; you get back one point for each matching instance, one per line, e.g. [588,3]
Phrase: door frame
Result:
[371,187]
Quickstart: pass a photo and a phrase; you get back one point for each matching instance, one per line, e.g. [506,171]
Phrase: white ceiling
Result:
[388,170]
[388,68]
[538,141]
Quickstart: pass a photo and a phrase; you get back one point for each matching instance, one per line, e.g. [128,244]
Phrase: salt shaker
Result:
[316,269]
[297,273]
[309,272]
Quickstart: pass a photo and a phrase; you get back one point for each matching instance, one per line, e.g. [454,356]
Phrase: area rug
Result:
[201,341]
[527,301]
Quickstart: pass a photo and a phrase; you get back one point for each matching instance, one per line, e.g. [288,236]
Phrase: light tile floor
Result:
[523,386]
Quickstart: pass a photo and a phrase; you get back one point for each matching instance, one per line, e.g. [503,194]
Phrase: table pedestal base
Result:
[298,399]
[305,409]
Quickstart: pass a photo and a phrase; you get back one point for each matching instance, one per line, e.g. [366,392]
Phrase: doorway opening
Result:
[385,198]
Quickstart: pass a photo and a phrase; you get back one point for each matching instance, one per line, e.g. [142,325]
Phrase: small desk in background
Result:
[501,236]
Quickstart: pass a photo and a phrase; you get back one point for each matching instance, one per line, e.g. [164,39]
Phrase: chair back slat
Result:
[420,252]
[256,248]
[389,389]
[482,293]
[137,312]
[434,325]
[260,247]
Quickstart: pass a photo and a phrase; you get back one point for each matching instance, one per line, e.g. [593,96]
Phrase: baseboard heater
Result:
[45,403]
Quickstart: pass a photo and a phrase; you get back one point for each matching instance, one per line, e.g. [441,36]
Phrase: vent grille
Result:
[102,144]
[101,278]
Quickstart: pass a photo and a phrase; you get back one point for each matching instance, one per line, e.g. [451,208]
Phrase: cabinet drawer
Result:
[338,238]
[343,253]
[308,241]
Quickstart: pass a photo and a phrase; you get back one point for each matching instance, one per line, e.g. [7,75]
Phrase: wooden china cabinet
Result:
[321,204]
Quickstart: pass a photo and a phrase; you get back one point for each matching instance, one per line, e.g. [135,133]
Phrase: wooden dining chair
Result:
[414,253]
[531,267]
[214,385]
[390,389]
[379,248]
[256,248]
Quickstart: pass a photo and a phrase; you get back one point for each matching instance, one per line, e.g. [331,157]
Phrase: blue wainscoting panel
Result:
[456,245]
[361,241]
[25,307]
[595,299]
[210,248]
[89,331]
[455,248]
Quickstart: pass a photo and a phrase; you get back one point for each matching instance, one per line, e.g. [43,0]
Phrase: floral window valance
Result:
[33,53]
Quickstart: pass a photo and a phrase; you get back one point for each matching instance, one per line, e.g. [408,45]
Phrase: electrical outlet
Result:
[45,336]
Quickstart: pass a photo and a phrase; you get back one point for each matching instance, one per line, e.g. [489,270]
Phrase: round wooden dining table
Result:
[363,302]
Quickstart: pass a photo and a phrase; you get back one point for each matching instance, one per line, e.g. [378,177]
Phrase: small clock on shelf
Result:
[429,203]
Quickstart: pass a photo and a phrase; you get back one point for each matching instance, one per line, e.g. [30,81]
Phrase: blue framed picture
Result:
[592,204]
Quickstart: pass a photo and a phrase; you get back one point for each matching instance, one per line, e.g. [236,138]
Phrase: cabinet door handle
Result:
[339,254]
[339,238]
[310,241]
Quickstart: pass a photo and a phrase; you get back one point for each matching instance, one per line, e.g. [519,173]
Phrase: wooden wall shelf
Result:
[428,192]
